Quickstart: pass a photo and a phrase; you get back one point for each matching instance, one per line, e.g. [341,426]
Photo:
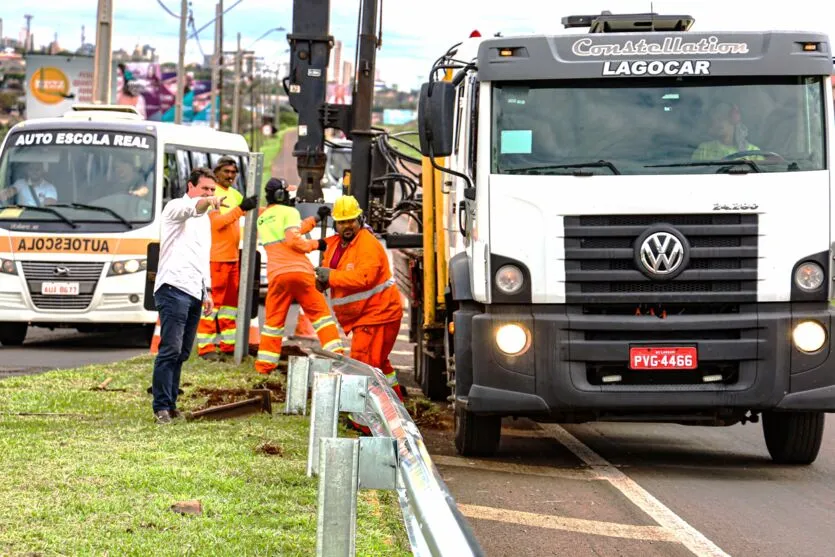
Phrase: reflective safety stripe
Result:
[228,336]
[227,312]
[320,324]
[334,346]
[206,337]
[359,296]
[270,357]
[272,331]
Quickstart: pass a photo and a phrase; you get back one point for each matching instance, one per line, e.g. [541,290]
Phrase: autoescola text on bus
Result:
[638,228]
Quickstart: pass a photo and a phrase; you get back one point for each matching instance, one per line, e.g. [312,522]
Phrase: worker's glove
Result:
[249,203]
[323,245]
[323,274]
[321,286]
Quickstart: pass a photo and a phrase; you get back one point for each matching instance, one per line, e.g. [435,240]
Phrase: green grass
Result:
[90,473]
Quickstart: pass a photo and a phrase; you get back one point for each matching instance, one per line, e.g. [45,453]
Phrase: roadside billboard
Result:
[55,83]
[153,93]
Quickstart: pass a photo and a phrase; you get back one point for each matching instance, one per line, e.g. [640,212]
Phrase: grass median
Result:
[88,472]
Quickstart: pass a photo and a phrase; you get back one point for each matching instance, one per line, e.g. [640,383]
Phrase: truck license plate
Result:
[59,288]
[663,358]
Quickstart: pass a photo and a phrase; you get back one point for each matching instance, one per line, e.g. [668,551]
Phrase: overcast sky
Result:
[414,33]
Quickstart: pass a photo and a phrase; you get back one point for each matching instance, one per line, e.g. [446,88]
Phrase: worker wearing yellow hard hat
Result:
[364,297]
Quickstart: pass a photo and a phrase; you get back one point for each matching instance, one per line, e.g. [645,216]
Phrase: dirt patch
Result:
[270,449]
[279,393]
[428,415]
[216,397]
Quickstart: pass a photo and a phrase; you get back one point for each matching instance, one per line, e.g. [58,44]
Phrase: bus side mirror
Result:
[436,112]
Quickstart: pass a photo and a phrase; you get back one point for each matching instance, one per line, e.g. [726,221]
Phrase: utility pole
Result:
[215,65]
[28,46]
[252,110]
[104,53]
[181,68]
[236,101]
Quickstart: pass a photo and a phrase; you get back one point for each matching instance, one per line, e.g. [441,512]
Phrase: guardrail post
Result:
[345,467]
[336,526]
[298,371]
[323,415]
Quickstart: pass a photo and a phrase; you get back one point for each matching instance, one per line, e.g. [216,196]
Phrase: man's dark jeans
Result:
[179,314]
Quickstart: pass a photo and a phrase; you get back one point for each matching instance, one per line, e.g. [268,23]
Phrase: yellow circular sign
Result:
[49,85]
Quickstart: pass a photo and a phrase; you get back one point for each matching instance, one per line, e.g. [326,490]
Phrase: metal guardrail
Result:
[394,458]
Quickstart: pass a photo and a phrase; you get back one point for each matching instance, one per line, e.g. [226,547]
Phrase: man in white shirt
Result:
[181,285]
[33,189]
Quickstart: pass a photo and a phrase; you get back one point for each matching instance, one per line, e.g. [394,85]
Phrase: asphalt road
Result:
[63,349]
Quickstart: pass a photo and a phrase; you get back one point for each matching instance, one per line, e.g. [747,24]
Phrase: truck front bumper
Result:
[570,352]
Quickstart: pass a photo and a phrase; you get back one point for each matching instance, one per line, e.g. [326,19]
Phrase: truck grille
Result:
[85,274]
[600,265]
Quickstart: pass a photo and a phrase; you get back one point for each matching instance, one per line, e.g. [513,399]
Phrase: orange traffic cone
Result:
[156,339]
[254,336]
[304,328]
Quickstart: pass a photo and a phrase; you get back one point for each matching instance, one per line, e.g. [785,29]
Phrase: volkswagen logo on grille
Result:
[61,271]
[662,253]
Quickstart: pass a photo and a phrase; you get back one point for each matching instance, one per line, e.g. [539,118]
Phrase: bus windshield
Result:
[659,126]
[84,176]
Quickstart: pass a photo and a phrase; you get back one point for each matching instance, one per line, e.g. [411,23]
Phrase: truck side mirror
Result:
[436,112]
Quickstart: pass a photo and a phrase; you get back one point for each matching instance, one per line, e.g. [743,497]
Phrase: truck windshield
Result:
[659,126]
[83,176]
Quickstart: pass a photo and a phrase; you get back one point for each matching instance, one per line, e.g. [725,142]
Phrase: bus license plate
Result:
[59,288]
[663,358]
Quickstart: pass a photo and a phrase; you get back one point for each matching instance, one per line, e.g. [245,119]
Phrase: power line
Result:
[191,22]
[164,7]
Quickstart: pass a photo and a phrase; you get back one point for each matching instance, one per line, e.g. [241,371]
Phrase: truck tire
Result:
[13,334]
[793,437]
[476,435]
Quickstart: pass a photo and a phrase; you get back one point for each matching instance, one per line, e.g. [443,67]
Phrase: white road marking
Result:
[680,530]
[402,353]
[579,525]
[513,468]
[403,337]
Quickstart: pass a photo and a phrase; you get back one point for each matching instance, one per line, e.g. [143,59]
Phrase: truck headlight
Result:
[809,336]
[809,276]
[127,266]
[8,267]
[509,279]
[512,339]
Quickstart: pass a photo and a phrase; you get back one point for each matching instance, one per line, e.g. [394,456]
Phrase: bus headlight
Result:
[809,276]
[809,336]
[127,266]
[512,339]
[509,279]
[8,267]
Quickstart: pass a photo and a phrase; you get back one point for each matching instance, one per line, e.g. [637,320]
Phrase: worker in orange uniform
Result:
[290,275]
[216,331]
[364,298]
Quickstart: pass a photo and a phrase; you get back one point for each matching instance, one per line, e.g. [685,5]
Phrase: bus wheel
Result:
[476,435]
[13,334]
[793,437]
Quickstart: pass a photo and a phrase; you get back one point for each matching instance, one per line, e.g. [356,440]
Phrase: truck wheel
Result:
[476,435]
[793,437]
[13,334]
[433,377]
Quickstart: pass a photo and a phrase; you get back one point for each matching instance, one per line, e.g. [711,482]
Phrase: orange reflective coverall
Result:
[217,331]
[291,278]
[365,300]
